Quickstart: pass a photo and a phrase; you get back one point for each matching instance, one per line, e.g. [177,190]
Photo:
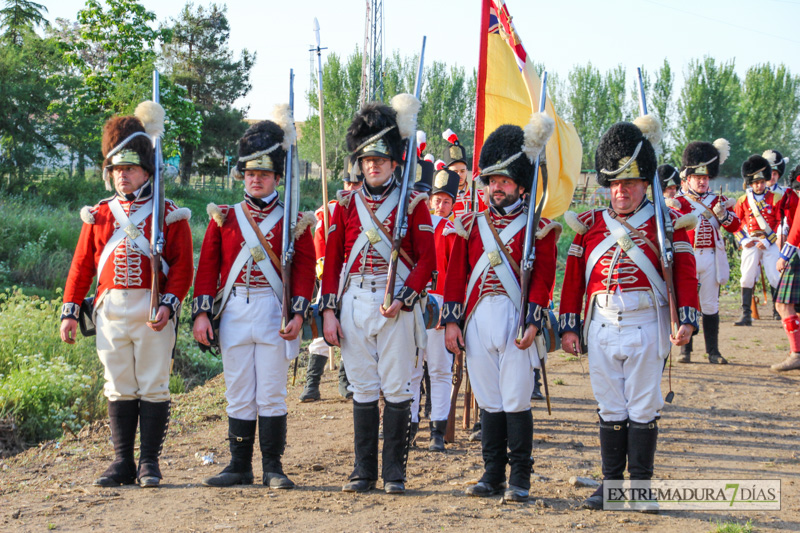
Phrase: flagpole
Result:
[480,93]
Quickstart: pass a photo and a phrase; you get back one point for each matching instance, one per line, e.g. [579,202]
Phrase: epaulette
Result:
[741,199]
[416,197]
[175,213]
[304,221]
[672,203]
[778,195]
[87,214]
[217,213]
[546,226]
[579,223]
[344,197]
[463,224]
[688,221]
[449,227]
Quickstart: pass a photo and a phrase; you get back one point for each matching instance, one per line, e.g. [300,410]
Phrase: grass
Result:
[559,381]
[733,527]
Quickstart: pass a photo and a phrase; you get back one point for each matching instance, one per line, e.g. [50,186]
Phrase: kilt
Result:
[789,287]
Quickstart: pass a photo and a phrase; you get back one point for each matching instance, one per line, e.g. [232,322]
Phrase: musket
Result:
[289,222]
[534,214]
[156,230]
[409,170]
[664,228]
[458,371]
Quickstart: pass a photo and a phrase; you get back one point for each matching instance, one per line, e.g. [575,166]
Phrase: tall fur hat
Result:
[626,151]
[703,158]
[379,130]
[455,153]
[794,178]
[128,140]
[756,168]
[261,148]
[776,160]
[669,176]
[510,150]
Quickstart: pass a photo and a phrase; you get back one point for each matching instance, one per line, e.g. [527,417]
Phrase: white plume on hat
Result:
[650,126]
[282,116]
[536,134]
[724,149]
[407,106]
[152,116]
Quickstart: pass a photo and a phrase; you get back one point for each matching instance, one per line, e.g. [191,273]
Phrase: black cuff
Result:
[536,315]
[70,310]
[171,301]
[688,315]
[300,306]
[327,301]
[452,312]
[202,304]
[569,322]
[408,296]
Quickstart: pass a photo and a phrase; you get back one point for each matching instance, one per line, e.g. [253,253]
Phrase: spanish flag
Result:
[508,93]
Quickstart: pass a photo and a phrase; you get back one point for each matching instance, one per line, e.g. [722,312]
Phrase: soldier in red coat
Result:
[239,282]
[439,360]
[787,301]
[614,275]
[455,159]
[318,349]
[759,212]
[701,162]
[482,305]
[378,343]
[114,247]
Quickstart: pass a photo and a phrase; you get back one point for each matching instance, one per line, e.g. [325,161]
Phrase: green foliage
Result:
[732,527]
[19,17]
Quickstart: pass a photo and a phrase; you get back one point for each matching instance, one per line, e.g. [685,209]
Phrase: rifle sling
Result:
[380,226]
[500,245]
[637,233]
[267,248]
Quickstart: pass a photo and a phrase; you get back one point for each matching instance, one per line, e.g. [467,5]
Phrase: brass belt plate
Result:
[626,243]
[133,232]
[374,236]
[258,254]
[494,258]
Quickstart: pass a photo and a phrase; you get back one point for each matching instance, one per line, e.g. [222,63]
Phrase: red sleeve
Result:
[334,258]
[179,256]
[684,272]
[739,209]
[794,232]
[208,268]
[421,241]
[303,275]
[458,268]
[572,291]
[734,222]
[544,268]
[82,269]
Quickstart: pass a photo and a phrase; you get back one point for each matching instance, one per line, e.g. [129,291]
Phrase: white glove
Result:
[720,211]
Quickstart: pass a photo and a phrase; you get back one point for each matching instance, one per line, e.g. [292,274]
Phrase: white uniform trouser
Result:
[500,373]
[136,358]
[753,257]
[318,346]
[440,369]
[378,352]
[707,278]
[255,358]
[624,363]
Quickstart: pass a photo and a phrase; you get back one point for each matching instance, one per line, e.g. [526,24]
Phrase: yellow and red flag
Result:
[508,93]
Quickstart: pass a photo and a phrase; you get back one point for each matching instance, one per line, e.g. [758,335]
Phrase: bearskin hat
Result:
[455,152]
[626,151]
[756,168]
[375,131]
[669,176]
[704,158]
[794,178]
[776,160]
[261,148]
[446,181]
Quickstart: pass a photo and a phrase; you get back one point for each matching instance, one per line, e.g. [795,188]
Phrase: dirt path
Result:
[734,421]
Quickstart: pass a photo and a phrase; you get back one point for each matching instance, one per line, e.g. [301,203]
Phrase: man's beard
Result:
[506,201]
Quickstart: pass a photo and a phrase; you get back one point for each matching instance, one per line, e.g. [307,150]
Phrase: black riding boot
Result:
[123,417]
[537,385]
[153,422]
[613,453]
[396,425]
[520,446]
[494,444]
[272,439]
[438,429]
[747,299]
[314,370]
[686,351]
[366,418]
[711,334]
[426,378]
[642,439]
[344,383]
[242,435]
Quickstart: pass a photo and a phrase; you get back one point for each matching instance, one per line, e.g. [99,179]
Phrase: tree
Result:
[18,16]
[663,106]
[768,108]
[709,109]
[198,58]
[446,103]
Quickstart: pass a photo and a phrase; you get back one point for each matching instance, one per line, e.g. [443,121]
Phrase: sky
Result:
[558,33]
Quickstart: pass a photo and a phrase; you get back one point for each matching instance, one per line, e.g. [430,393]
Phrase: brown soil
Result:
[734,421]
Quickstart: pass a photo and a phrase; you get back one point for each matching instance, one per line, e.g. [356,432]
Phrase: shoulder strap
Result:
[500,244]
[255,249]
[261,239]
[128,229]
[382,228]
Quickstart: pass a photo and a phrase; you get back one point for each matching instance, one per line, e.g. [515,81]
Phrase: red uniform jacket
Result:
[443,237]
[591,230]
[127,267]
[224,240]
[705,235]
[319,229]
[345,229]
[768,206]
[467,251]
[463,203]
